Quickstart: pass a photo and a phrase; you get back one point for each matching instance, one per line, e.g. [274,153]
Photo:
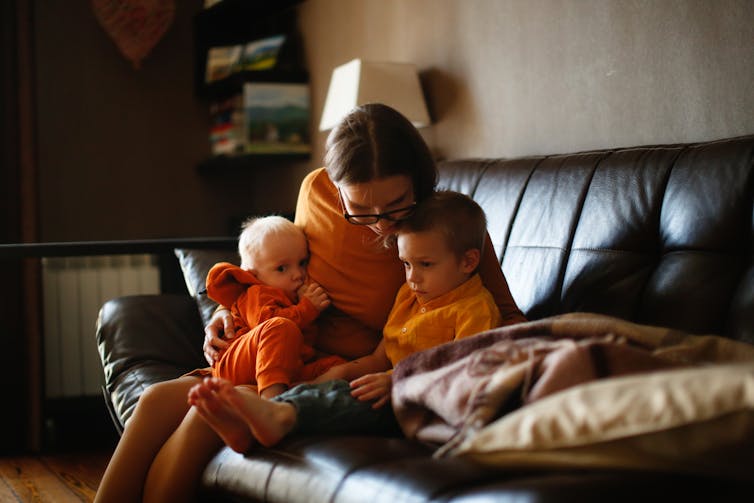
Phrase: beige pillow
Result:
[698,420]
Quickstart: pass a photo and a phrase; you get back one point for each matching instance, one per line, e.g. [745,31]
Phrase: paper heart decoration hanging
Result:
[134,25]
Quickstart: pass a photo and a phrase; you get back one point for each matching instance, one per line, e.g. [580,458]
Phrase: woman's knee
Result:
[166,395]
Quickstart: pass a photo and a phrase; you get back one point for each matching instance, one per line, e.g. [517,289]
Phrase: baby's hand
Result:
[316,295]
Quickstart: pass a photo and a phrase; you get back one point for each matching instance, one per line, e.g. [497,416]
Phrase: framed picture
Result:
[224,61]
[276,118]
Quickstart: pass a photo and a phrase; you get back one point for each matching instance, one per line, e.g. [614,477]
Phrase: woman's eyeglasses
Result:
[368,219]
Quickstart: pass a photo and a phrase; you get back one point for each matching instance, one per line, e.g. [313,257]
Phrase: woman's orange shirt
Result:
[361,276]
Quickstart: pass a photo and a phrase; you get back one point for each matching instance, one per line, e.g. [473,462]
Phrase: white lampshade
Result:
[358,82]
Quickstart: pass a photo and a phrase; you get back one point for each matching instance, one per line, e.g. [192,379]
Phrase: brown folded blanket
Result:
[456,388]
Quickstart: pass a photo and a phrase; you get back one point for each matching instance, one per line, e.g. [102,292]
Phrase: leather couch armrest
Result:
[145,339]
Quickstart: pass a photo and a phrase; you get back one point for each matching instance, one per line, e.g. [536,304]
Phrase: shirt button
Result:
[404,330]
[423,310]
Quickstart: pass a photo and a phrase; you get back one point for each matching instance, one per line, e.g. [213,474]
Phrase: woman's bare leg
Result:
[158,413]
[176,472]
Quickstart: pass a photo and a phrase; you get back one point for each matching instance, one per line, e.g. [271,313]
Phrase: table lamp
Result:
[358,82]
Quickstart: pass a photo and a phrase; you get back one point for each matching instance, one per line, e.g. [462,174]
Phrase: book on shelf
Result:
[224,61]
[226,134]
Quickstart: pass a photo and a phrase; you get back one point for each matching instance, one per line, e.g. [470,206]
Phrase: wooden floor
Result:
[54,478]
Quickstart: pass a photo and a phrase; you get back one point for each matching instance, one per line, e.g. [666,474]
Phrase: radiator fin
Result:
[74,288]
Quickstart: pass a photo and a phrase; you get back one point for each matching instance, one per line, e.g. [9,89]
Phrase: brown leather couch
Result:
[659,235]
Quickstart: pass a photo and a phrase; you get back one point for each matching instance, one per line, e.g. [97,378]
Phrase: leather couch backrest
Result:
[658,235]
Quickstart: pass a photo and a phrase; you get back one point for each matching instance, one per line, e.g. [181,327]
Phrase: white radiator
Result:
[73,291]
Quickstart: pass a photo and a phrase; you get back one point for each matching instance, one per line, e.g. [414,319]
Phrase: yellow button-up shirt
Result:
[414,326]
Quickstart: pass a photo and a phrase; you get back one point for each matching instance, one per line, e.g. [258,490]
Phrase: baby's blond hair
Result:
[256,230]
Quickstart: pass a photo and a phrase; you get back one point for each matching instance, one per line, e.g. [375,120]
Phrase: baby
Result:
[273,309]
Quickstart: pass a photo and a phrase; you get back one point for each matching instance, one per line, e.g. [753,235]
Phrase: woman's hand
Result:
[373,387]
[217,334]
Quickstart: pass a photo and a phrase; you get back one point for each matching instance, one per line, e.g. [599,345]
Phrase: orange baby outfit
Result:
[361,276]
[274,336]
[414,326]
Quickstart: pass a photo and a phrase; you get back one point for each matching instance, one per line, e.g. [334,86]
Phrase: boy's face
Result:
[432,269]
[282,263]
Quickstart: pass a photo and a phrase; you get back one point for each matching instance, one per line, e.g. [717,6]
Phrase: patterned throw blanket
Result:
[446,394]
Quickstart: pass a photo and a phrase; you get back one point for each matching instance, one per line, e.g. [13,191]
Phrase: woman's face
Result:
[377,197]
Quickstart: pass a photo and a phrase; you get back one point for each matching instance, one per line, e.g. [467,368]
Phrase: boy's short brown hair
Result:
[456,216]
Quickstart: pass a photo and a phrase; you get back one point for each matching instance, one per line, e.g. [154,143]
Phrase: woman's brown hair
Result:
[375,141]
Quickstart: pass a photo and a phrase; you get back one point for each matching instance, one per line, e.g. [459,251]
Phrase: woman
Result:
[377,168]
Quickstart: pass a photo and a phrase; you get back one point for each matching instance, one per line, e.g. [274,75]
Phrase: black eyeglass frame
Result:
[376,217]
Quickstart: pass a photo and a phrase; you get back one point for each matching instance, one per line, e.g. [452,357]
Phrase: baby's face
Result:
[282,263]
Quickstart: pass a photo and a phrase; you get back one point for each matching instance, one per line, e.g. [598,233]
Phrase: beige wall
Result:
[518,77]
[118,147]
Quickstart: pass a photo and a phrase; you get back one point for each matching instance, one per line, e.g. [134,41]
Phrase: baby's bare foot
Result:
[269,421]
[223,419]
